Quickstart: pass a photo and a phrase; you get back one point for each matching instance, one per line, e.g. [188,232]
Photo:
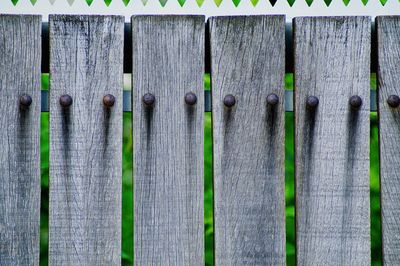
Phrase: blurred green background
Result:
[127,189]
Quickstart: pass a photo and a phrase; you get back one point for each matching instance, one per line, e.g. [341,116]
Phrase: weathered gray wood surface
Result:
[389,135]
[248,61]
[332,62]
[20,46]
[168,61]
[86,54]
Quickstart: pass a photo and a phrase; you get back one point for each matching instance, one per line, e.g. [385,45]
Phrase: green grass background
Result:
[127,189]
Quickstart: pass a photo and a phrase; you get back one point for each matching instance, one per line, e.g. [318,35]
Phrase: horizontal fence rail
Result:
[86,57]
[127,101]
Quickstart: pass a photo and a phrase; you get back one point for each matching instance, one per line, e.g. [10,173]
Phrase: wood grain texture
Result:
[86,54]
[332,62]
[248,61]
[389,135]
[20,46]
[168,61]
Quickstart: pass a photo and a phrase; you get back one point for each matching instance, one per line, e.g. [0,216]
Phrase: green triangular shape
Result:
[181,2]
[126,2]
[14,2]
[199,2]
[107,2]
[218,2]
[236,2]
[164,2]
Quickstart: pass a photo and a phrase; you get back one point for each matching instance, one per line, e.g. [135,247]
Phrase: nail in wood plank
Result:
[20,52]
[168,61]
[389,135]
[86,56]
[332,60]
[248,61]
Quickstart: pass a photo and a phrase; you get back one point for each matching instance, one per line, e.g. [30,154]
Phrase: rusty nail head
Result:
[109,100]
[66,100]
[312,102]
[272,99]
[190,98]
[393,101]
[355,101]
[229,100]
[25,100]
[148,99]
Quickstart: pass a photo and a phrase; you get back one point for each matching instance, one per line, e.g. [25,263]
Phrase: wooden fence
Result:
[332,58]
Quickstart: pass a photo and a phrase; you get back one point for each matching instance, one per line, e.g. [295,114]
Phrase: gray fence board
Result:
[20,45]
[86,54]
[248,61]
[168,61]
[389,135]
[332,59]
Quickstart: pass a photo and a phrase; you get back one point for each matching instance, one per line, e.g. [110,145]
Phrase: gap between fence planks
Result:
[332,59]
[168,61]
[20,55]
[389,135]
[86,54]
[248,61]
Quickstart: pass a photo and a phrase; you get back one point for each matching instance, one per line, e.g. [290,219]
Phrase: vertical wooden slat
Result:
[168,61]
[86,58]
[332,62]
[20,50]
[389,135]
[248,61]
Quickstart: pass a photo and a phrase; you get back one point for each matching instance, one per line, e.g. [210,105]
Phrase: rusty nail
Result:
[312,102]
[25,101]
[109,100]
[272,99]
[229,100]
[393,101]
[148,99]
[66,100]
[190,98]
[355,101]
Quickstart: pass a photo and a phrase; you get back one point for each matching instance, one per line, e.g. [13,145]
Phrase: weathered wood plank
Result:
[332,60]
[248,61]
[86,54]
[20,51]
[389,135]
[168,61]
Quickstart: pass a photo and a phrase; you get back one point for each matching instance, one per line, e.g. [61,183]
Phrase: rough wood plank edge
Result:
[248,61]
[389,135]
[20,55]
[332,59]
[86,57]
[168,61]
[128,49]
